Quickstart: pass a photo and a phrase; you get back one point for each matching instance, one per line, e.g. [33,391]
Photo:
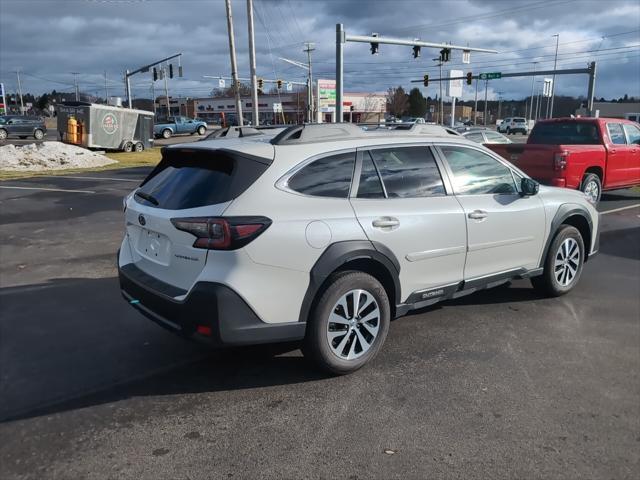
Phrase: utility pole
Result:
[234,66]
[533,81]
[20,93]
[475,104]
[106,88]
[75,82]
[309,47]
[166,90]
[553,82]
[500,104]
[252,64]
[153,96]
[486,87]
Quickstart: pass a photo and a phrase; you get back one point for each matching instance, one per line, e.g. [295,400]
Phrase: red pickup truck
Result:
[589,154]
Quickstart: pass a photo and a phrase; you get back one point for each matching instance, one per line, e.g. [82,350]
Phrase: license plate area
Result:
[154,246]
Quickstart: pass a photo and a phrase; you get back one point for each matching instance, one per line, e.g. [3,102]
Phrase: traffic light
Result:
[155,74]
[416,51]
[260,85]
[469,78]
[426,80]
[444,54]
[279,84]
[374,45]
[351,109]
[171,70]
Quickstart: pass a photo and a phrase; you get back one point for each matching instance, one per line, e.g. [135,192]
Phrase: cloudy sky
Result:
[49,39]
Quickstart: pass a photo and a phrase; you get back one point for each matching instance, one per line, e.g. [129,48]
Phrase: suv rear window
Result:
[518,120]
[193,178]
[565,133]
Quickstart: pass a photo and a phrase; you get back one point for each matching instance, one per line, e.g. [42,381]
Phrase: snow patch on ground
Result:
[49,156]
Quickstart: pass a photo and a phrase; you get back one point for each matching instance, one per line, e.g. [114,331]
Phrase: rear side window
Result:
[476,137]
[326,177]
[476,173]
[565,133]
[616,134]
[408,172]
[633,134]
[195,178]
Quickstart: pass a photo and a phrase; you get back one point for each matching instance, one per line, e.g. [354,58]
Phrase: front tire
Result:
[138,147]
[128,147]
[592,187]
[3,135]
[348,324]
[201,130]
[508,131]
[563,265]
[38,134]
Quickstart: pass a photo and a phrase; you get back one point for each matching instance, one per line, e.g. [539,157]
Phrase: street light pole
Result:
[533,81]
[553,82]
[234,66]
[475,104]
[486,87]
[252,65]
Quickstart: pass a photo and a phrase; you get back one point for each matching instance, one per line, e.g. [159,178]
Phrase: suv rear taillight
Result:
[560,160]
[222,233]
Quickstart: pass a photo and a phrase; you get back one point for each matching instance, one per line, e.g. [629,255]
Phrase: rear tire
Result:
[508,131]
[127,147]
[563,265]
[166,133]
[3,135]
[365,328]
[202,130]
[139,147]
[592,187]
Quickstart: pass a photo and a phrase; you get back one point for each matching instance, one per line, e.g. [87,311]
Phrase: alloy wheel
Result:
[567,262]
[592,191]
[353,324]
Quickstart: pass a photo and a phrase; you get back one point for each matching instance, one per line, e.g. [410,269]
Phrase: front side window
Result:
[476,173]
[408,172]
[633,134]
[326,177]
[616,134]
[370,186]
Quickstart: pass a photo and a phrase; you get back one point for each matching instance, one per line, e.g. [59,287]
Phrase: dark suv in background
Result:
[22,127]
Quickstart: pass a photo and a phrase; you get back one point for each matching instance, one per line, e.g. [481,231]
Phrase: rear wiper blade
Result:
[147,197]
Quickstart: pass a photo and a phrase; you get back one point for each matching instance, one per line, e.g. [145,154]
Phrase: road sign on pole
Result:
[455,85]
[547,88]
[289,87]
[277,107]
[221,83]
[3,101]
[490,75]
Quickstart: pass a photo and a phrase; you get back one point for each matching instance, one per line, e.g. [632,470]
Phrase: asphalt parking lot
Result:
[500,384]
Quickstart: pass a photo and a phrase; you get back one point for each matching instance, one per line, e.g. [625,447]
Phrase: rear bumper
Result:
[214,306]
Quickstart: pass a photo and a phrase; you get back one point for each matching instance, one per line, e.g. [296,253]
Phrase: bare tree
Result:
[397,101]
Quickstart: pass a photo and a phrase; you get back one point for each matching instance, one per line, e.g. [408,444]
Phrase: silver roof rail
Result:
[320,132]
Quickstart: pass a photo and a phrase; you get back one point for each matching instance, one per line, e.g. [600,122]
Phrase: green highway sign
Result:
[490,76]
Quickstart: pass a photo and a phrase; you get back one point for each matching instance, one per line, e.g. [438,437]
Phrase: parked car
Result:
[177,125]
[22,127]
[325,233]
[513,125]
[485,136]
[588,154]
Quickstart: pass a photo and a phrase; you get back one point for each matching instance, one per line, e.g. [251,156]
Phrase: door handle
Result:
[613,150]
[478,215]
[385,222]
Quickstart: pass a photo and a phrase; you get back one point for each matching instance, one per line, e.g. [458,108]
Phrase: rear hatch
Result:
[188,182]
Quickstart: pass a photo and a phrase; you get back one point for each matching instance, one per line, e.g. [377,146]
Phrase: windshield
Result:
[565,133]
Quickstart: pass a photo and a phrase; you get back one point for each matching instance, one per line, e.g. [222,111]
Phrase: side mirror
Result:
[529,187]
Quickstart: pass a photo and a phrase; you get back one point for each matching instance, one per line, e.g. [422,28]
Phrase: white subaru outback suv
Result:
[324,233]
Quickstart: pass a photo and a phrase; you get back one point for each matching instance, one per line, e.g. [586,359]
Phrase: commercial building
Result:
[612,109]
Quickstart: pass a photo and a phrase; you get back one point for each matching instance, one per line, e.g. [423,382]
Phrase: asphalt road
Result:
[500,384]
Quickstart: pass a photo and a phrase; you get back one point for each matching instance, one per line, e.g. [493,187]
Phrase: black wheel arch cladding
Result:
[564,213]
[337,255]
